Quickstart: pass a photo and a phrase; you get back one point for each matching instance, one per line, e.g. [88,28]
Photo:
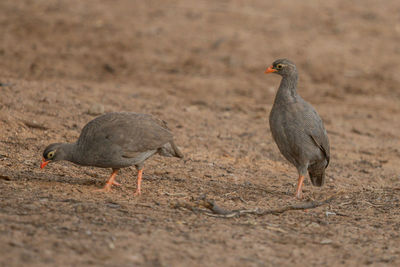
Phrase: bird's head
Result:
[283,67]
[53,152]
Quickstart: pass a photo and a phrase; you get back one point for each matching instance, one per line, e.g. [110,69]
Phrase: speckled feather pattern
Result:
[117,140]
[121,139]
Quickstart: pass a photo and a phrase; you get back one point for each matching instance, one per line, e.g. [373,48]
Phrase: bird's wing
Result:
[316,130]
[324,146]
[132,132]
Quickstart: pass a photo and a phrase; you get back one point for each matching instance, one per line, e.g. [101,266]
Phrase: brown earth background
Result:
[199,65]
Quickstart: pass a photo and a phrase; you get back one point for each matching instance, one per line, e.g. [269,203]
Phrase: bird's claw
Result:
[105,189]
[299,195]
[116,183]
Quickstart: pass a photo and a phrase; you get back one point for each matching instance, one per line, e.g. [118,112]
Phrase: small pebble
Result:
[327,213]
[96,109]
[326,241]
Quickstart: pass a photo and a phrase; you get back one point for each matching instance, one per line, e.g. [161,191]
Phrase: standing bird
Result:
[116,140]
[297,128]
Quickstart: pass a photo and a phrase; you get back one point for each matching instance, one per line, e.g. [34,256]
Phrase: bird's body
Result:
[117,140]
[297,128]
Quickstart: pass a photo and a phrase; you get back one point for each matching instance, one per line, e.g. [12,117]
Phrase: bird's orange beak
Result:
[44,163]
[269,70]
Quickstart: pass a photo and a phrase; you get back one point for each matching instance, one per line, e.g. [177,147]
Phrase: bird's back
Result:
[116,138]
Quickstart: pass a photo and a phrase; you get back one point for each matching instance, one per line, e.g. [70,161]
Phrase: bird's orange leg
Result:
[139,183]
[110,182]
[299,192]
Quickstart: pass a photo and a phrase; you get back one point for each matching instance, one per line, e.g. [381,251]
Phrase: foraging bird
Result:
[297,128]
[116,140]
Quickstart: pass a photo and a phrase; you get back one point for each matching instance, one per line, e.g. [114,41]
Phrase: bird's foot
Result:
[111,181]
[137,193]
[116,183]
[299,195]
[105,189]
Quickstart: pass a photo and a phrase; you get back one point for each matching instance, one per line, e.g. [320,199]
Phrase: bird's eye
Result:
[279,66]
[50,154]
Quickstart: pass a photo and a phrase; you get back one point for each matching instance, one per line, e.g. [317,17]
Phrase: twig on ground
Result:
[217,211]
[5,177]
[5,84]
[35,125]
[175,194]
[145,205]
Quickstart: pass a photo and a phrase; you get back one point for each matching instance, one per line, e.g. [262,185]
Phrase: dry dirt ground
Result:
[199,65]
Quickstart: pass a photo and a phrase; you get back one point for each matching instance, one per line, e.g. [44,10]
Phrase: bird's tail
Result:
[317,174]
[170,150]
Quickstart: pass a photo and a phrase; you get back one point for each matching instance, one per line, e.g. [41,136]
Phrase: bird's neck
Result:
[69,152]
[287,91]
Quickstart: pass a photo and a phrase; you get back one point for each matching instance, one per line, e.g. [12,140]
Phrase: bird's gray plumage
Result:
[117,140]
[297,128]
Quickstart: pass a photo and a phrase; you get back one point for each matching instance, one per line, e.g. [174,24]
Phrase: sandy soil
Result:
[199,65]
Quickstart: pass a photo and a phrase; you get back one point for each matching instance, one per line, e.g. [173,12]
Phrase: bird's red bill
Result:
[44,163]
[269,70]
